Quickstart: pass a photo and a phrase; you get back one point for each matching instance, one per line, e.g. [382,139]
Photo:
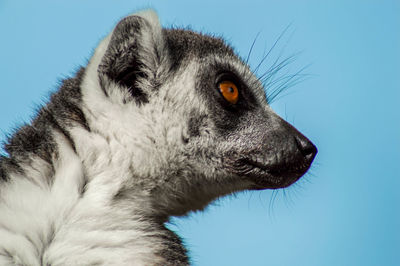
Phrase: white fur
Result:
[56,223]
[33,212]
[54,219]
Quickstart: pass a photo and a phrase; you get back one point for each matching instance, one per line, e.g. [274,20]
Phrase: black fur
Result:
[8,165]
[35,139]
[260,135]
[174,252]
[121,62]
[185,44]
[276,154]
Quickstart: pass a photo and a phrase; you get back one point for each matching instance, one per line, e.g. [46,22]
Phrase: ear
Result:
[134,56]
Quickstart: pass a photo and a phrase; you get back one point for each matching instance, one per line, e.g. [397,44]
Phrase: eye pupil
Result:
[231,90]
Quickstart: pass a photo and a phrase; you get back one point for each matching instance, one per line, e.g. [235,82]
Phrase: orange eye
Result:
[229,90]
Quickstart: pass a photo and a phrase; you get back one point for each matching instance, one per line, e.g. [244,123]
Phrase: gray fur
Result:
[137,136]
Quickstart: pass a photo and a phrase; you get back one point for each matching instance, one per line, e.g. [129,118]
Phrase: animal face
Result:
[159,123]
[191,114]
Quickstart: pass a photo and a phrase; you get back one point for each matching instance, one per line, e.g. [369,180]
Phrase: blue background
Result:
[346,211]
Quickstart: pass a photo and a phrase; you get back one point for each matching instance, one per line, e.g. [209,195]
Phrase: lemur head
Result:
[188,116]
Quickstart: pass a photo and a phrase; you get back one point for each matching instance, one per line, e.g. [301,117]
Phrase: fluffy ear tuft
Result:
[134,56]
[151,17]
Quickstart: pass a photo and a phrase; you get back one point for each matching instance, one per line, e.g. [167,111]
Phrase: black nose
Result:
[307,149]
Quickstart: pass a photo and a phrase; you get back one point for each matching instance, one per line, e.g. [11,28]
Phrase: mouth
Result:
[271,175]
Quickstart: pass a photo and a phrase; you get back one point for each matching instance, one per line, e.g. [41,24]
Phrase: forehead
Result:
[211,52]
[184,44]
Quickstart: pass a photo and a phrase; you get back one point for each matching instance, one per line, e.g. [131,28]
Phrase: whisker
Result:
[288,82]
[275,68]
[251,48]
[273,46]
[267,77]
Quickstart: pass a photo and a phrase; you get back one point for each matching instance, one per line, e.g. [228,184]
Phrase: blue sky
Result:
[346,211]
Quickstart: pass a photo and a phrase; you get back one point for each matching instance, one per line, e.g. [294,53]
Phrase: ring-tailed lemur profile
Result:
[159,123]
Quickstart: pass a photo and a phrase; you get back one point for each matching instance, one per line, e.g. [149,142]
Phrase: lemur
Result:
[161,122]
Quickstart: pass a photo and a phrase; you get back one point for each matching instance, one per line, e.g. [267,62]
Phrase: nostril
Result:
[306,147]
